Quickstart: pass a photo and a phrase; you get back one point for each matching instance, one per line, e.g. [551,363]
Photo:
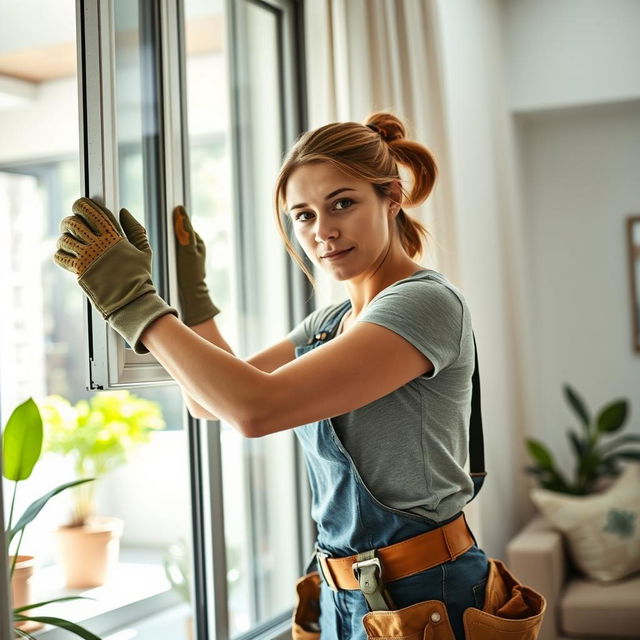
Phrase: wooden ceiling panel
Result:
[203,35]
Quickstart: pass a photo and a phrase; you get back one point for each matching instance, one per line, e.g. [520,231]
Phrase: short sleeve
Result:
[301,333]
[427,314]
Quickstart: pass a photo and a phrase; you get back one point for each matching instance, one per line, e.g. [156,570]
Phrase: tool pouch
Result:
[426,620]
[306,615]
[511,610]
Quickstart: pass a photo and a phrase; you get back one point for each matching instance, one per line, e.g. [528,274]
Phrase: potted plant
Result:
[21,447]
[598,510]
[596,461]
[98,435]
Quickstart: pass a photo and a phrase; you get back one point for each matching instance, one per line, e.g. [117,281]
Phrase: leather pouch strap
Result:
[404,558]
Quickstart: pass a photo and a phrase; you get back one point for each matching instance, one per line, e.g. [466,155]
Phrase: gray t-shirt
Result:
[410,446]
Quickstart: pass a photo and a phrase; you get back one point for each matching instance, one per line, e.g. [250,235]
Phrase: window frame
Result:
[110,365]
[301,299]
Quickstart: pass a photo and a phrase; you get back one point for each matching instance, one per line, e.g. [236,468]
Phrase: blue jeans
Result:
[459,584]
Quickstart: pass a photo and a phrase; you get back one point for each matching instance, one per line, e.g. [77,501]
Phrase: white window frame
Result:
[110,364]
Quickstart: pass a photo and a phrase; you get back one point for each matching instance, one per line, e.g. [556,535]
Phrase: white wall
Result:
[476,116]
[45,128]
[577,182]
[55,22]
[569,52]
[540,195]
[580,182]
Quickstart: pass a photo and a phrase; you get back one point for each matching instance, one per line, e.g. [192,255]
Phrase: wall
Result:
[476,113]
[573,91]
[571,52]
[580,169]
[540,194]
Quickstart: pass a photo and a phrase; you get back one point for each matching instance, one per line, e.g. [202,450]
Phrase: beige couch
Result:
[576,607]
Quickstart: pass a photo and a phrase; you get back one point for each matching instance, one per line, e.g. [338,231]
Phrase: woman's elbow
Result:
[250,428]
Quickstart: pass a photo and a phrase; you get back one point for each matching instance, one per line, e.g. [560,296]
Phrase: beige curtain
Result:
[368,55]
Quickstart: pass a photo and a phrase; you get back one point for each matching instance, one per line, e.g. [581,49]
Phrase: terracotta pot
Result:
[21,580]
[21,591]
[88,553]
[188,627]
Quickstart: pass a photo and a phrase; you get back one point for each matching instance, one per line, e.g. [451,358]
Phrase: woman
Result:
[381,383]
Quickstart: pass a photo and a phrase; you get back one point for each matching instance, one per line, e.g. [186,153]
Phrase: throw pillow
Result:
[602,529]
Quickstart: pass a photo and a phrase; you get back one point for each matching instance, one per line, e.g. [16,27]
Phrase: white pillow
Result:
[602,529]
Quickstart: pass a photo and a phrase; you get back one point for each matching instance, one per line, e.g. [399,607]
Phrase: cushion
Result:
[602,529]
[592,609]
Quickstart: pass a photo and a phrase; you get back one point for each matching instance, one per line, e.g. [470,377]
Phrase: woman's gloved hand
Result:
[195,304]
[113,265]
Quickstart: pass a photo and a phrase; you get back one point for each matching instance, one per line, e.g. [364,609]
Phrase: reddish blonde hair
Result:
[370,152]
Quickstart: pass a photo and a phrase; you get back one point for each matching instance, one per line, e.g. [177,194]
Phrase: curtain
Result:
[371,55]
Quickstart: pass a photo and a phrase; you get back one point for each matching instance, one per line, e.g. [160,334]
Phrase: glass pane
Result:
[137,112]
[41,339]
[260,523]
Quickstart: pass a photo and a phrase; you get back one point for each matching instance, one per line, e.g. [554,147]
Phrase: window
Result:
[175,98]
[264,550]
[41,348]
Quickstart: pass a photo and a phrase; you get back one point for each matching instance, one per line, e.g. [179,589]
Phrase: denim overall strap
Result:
[349,519]
[476,437]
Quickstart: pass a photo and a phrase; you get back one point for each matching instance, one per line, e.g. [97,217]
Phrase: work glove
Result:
[113,265]
[195,304]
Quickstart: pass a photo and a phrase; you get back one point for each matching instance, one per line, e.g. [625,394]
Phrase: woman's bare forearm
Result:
[221,383]
[210,332]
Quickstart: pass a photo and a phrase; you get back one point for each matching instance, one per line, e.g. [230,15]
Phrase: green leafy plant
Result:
[21,447]
[594,459]
[98,435]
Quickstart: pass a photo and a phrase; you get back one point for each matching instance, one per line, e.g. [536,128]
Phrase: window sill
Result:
[137,588]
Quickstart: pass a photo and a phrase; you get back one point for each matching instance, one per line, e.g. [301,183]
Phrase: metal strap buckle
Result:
[325,572]
[368,573]
[366,563]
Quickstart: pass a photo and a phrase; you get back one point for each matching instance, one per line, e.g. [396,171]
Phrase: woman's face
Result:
[331,211]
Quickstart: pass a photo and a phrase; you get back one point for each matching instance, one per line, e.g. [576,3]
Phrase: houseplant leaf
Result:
[26,607]
[63,624]
[554,481]
[588,464]
[540,453]
[22,441]
[578,405]
[578,445]
[627,455]
[613,444]
[536,471]
[35,507]
[612,417]
[609,467]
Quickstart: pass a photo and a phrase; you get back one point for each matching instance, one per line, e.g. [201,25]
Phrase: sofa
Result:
[576,606]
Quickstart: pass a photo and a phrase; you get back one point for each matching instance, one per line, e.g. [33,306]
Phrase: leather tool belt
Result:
[398,560]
